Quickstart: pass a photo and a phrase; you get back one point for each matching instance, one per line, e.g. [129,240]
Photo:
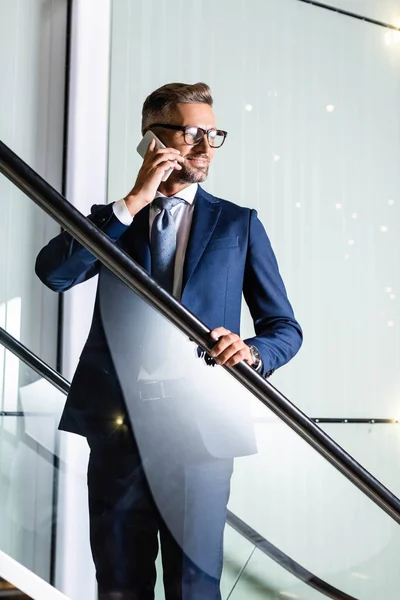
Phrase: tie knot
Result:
[162,202]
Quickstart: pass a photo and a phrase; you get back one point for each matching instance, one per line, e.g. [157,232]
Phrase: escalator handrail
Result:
[33,361]
[124,267]
[240,526]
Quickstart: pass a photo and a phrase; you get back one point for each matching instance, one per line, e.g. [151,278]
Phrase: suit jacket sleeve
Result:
[64,262]
[278,334]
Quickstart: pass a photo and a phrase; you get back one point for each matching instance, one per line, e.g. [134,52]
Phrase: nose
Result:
[204,146]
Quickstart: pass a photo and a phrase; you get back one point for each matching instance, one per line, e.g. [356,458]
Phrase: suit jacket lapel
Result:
[205,216]
[136,240]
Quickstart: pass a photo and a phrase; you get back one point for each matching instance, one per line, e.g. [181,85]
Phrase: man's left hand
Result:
[230,348]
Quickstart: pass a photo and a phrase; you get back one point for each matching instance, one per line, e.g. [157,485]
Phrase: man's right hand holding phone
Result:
[155,164]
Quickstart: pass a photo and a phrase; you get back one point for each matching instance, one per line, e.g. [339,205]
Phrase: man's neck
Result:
[172,188]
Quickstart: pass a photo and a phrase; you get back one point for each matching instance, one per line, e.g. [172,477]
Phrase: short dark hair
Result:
[160,104]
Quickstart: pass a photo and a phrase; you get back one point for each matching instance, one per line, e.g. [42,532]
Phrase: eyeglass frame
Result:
[185,127]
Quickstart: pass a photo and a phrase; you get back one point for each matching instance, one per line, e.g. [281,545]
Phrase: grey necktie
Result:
[163,243]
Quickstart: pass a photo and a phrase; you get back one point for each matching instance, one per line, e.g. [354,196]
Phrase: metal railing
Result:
[124,267]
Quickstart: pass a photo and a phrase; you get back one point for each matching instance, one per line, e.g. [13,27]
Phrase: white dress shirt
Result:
[182,214]
[170,336]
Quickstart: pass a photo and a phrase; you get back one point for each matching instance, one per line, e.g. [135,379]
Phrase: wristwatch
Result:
[257,360]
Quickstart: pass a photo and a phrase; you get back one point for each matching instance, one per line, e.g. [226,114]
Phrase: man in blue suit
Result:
[158,464]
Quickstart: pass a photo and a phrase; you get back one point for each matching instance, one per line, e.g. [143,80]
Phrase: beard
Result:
[191,174]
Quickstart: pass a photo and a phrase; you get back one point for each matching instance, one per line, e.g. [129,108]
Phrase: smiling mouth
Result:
[199,161]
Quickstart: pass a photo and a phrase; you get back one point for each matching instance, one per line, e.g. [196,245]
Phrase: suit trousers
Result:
[139,497]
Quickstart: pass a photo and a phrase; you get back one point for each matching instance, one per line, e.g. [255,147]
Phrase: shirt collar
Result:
[188,194]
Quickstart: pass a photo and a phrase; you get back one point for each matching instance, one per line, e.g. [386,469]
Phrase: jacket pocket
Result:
[222,243]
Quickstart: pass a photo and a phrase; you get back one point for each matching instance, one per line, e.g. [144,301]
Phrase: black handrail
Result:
[240,526]
[340,420]
[347,13]
[117,261]
[34,362]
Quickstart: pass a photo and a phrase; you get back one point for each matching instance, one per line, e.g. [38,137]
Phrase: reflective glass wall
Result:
[311,99]
[32,83]
[32,73]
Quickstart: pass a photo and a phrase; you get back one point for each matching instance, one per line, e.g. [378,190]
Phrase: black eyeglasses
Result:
[193,135]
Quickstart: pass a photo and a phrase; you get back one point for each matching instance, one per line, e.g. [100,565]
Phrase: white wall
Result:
[86,185]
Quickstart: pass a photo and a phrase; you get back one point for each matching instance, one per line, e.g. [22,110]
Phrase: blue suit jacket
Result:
[228,254]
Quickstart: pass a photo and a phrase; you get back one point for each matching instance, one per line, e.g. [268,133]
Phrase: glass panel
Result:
[28,311]
[298,502]
[189,420]
[251,573]
[374,446]
[191,424]
[278,585]
[263,579]
[187,430]
[29,478]
[286,492]
[32,66]
[237,553]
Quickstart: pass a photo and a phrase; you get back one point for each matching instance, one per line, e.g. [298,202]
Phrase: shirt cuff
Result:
[121,212]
